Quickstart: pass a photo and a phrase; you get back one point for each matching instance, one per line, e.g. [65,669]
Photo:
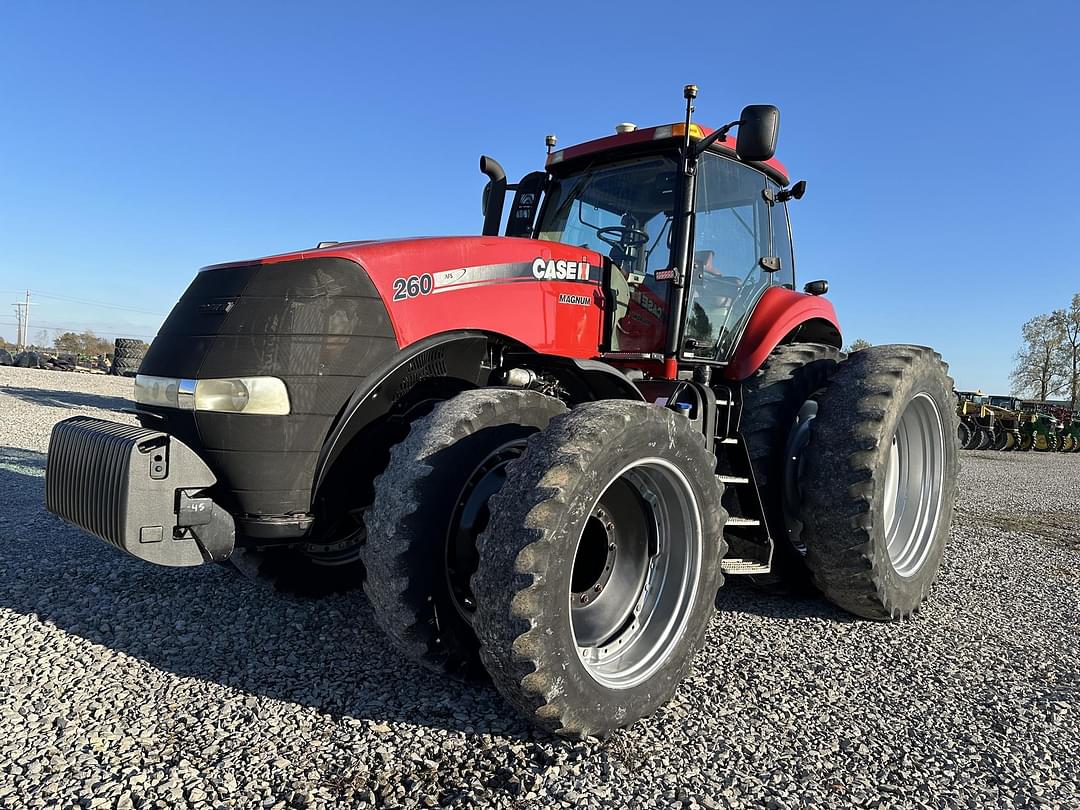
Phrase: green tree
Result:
[859,344]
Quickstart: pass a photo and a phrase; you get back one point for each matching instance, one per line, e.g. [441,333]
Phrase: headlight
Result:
[156,390]
[256,395]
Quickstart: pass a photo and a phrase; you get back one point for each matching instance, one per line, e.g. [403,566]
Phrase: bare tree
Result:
[858,344]
[1068,321]
[1038,368]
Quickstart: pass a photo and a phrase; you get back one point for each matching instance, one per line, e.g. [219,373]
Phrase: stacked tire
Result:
[128,355]
[29,360]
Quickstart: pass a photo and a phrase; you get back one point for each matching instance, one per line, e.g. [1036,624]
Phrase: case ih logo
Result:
[546,270]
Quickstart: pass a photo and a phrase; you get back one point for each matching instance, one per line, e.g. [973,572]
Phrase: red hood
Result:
[526,289]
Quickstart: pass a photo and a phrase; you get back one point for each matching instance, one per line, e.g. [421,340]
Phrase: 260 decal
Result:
[413,286]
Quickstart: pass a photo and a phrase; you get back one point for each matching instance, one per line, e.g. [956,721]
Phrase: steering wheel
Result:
[627,236]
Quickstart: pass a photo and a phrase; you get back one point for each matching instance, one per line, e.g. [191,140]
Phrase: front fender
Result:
[782,314]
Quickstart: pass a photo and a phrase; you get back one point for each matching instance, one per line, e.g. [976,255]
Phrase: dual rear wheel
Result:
[856,461]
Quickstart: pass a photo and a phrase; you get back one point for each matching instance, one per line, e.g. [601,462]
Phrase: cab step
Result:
[732,479]
[737,565]
[742,521]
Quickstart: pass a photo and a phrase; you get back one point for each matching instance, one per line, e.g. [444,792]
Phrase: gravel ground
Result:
[124,685]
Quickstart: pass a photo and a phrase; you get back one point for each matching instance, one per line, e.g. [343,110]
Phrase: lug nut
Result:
[584,598]
[598,588]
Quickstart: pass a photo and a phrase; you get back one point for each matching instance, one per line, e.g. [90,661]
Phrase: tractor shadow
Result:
[741,594]
[212,624]
[77,400]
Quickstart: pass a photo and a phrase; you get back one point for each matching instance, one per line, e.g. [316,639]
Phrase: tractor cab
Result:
[625,210]
[637,197]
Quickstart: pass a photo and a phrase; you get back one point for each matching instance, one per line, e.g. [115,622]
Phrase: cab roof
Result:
[639,137]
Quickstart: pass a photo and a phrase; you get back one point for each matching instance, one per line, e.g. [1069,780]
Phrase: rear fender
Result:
[783,316]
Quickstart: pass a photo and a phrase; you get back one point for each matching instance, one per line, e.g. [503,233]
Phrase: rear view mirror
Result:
[758,127]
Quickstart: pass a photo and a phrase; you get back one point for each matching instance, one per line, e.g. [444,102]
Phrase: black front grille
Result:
[318,324]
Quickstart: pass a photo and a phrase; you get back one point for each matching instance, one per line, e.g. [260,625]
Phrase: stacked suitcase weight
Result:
[127,355]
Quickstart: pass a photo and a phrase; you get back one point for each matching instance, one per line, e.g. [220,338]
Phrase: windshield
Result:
[622,210]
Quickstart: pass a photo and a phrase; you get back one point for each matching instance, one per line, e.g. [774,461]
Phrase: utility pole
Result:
[22,317]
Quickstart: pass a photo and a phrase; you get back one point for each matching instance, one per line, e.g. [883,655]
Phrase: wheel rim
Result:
[469,519]
[798,439]
[635,575]
[342,544]
[914,484]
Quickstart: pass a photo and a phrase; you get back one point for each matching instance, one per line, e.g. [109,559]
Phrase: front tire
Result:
[881,481]
[312,569]
[430,503]
[599,570]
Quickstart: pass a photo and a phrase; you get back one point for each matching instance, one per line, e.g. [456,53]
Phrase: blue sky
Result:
[141,141]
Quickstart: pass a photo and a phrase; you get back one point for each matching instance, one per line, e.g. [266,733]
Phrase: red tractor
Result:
[539,453]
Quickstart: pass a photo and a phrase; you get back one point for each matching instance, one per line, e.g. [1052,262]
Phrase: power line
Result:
[95,303]
[111,329]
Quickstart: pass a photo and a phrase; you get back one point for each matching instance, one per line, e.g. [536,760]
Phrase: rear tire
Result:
[430,503]
[881,481]
[778,406]
[964,435]
[985,438]
[588,618]
[1001,440]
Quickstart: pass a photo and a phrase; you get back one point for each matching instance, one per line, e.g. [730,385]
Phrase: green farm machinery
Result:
[1010,423]
[1053,428]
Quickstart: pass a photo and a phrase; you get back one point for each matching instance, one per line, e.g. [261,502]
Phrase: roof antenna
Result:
[550,140]
[689,93]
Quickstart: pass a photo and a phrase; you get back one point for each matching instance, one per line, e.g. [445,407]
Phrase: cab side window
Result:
[781,247]
[731,234]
